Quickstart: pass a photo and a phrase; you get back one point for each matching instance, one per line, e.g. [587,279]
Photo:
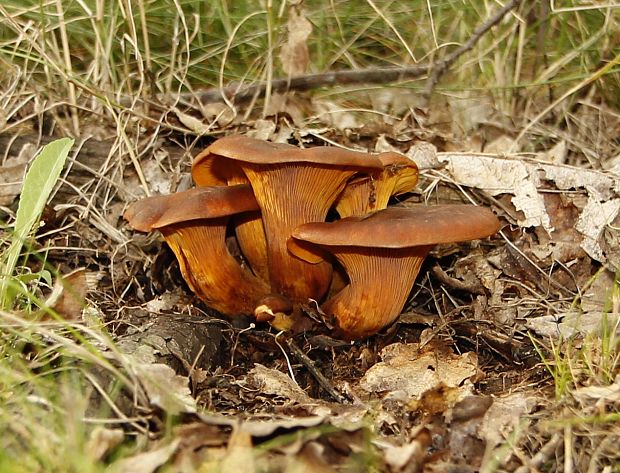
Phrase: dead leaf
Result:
[193,124]
[101,441]
[147,462]
[594,218]
[311,459]
[164,303]
[523,178]
[164,388]
[557,154]
[424,154]
[276,383]
[408,457]
[12,174]
[262,130]
[599,293]
[504,416]
[606,394]
[468,111]
[407,372]
[499,145]
[218,112]
[263,428]
[382,145]
[573,323]
[337,117]
[202,446]
[497,176]
[469,408]
[294,54]
[239,456]
[68,295]
[287,107]
[160,181]
[395,101]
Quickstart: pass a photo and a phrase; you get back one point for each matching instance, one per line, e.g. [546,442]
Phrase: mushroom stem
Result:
[231,289]
[251,239]
[250,233]
[248,226]
[380,280]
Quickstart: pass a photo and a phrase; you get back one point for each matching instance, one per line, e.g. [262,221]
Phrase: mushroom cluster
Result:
[272,201]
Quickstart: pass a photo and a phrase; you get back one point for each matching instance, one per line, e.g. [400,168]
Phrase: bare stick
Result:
[372,75]
[440,68]
[309,364]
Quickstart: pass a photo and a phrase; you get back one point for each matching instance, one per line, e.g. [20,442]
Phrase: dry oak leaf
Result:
[294,54]
[408,371]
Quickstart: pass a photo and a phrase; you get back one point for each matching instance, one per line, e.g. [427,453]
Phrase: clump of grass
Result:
[590,360]
[51,398]
[43,395]
[580,429]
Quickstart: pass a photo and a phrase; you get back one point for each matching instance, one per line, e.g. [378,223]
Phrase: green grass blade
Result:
[38,184]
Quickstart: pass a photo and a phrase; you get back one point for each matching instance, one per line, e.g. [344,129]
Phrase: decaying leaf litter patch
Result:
[448,384]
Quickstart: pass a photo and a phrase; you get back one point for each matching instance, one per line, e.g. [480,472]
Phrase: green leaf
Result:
[38,185]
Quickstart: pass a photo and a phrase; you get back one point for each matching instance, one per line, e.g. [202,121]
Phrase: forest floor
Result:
[506,356]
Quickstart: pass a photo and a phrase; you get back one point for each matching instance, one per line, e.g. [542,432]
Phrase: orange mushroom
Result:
[193,224]
[382,254]
[367,193]
[292,186]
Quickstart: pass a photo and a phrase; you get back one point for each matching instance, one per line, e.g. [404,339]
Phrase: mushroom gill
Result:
[211,170]
[382,254]
[367,193]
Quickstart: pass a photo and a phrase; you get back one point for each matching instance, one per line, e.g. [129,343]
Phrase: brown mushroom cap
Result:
[292,186]
[194,204]
[193,224]
[250,150]
[382,254]
[365,194]
[401,227]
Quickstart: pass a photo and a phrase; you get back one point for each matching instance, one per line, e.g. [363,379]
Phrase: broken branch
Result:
[371,75]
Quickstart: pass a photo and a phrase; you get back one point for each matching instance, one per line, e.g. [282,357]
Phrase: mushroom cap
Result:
[292,186]
[402,227]
[402,169]
[216,172]
[371,191]
[194,204]
[255,151]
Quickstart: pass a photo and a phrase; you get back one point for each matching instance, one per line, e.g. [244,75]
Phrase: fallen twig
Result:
[473,288]
[309,364]
[439,68]
[373,75]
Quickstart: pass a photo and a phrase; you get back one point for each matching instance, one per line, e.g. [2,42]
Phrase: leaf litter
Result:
[413,397]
